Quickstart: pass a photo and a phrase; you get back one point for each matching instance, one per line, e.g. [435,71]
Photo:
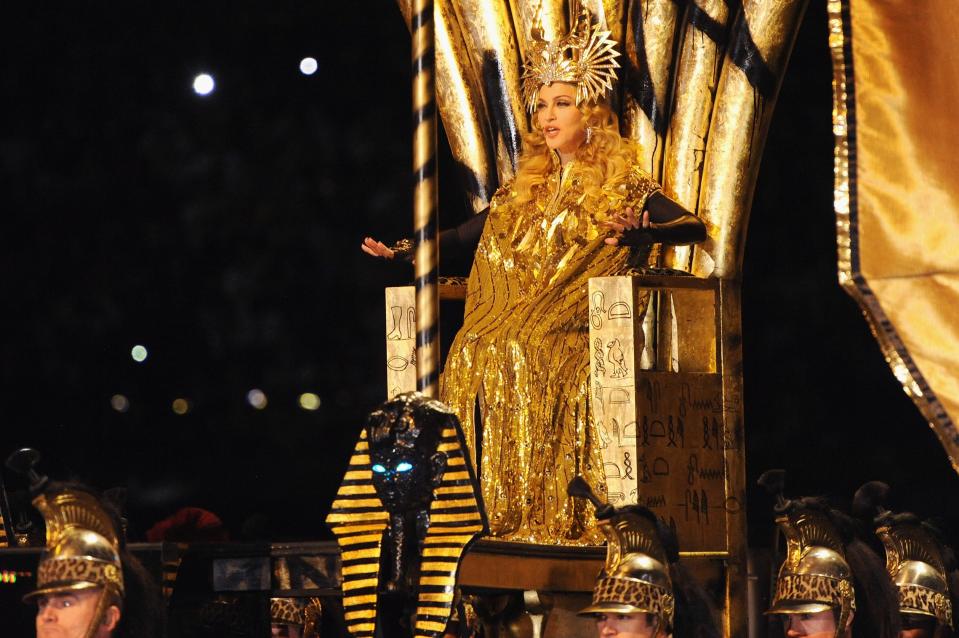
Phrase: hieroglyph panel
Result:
[662,434]
[616,345]
[400,340]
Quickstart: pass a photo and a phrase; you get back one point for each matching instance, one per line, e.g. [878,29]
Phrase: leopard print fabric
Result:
[67,570]
[914,599]
[286,611]
[643,596]
[813,588]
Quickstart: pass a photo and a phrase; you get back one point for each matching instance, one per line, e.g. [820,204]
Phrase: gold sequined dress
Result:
[522,354]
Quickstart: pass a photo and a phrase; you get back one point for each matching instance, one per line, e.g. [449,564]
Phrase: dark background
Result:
[222,233]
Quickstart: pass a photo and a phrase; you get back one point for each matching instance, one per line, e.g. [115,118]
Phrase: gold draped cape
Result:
[896,90]
[522,355]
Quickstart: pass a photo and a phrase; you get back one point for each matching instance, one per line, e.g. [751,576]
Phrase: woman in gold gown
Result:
[517,373]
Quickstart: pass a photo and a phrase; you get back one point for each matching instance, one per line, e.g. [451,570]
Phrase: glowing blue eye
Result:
[404,467]
[379,469]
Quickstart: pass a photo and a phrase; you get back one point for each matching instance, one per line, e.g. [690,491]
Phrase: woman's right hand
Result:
[376,248]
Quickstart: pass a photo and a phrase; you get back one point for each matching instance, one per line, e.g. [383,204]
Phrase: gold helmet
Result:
[83,547]
[299,612]
[636,576]
[815,576]
[915,564]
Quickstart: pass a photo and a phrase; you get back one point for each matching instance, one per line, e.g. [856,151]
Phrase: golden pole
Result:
[424,200]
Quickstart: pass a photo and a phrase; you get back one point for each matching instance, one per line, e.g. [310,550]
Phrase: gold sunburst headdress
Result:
[586,57]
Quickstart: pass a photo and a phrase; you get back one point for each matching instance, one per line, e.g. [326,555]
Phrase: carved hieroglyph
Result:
[400,340]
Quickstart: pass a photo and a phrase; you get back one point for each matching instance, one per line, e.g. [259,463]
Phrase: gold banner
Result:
[897,189]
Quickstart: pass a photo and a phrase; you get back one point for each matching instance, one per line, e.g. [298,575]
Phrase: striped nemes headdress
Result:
[359,519]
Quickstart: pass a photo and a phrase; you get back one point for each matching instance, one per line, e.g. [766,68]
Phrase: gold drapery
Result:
[523,353]
[897,189]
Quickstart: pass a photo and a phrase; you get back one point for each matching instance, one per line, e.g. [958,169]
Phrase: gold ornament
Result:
[586,57]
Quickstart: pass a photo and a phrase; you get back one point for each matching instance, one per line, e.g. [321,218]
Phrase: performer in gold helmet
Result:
[521,359]
[642,591]
[919,565]
[295,617]
[88,586]
[80,578]
[831,584]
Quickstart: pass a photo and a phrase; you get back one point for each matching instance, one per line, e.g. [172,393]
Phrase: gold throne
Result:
[697,91]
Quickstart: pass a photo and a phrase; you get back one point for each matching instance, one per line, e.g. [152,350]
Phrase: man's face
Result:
[639,625]
[285,631]
[69,614]
[819,625]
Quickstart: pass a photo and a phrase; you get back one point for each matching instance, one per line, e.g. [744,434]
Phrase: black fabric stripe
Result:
[461,509]
[453,524]
[451,497]
[425,62]
[638,80]
[713,29]
[355,510]
[363,607]
[355,497]
[745,55]
[498,99]
[359,561]
[362,591]
[422,18]
[426,171]
[433,589]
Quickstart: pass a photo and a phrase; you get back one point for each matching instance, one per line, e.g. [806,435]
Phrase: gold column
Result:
[425,196]
[697,77]
[760,43]
[650,35]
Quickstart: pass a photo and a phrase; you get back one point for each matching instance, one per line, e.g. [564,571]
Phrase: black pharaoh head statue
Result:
[403,436]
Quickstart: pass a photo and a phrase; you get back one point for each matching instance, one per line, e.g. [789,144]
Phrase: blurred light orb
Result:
[256,398]
[181,406]
[309,401]
[139,353]
[308,66]
[119,403]
[203,84]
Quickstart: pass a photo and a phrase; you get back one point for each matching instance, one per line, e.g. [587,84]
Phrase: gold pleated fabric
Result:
[523,353]
[896,88]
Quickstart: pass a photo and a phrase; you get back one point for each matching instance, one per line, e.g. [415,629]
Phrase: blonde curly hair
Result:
[606,158]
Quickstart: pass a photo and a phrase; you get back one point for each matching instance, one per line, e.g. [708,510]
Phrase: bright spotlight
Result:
[181,406]
[256,398]
[203,84]
[308,66]
[119,403]
[139,353]
[309,401]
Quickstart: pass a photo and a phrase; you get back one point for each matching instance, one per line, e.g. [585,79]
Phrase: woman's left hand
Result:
[621,222]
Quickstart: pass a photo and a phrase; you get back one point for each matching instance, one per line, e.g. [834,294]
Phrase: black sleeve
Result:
[669,223]
[461,242]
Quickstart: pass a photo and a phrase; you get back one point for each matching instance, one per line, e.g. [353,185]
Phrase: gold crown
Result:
[586,57]
[915,564]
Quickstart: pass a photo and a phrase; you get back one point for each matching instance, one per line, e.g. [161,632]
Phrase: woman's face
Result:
[559,118]
[626,626]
